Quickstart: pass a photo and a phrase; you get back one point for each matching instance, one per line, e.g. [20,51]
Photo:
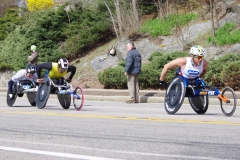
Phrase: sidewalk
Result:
[146,96]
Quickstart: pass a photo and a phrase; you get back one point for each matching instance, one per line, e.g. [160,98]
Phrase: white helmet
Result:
[63,63]
[197,51]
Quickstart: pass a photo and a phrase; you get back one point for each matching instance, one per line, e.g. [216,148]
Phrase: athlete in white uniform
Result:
[190,67]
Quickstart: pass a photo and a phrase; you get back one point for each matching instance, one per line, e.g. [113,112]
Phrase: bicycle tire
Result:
[230,94]
[78,98]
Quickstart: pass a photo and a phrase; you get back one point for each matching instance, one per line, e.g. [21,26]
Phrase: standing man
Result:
[132,71]
[33,59]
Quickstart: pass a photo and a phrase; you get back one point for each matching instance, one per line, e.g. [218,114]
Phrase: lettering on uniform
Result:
[203,93]
[193,72]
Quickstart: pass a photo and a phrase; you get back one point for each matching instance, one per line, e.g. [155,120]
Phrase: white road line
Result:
[56,154]
[121,152]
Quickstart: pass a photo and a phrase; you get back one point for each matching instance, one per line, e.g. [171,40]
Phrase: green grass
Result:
[165,26]
[226,35]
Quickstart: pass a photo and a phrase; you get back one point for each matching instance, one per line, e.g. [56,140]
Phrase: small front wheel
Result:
[78,98]
[228,101]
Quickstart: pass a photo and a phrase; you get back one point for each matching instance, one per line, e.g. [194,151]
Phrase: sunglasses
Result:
[199,57]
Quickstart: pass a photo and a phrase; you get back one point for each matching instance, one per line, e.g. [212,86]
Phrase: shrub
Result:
[35,5]
[216,74]
[231,75]
[114,77]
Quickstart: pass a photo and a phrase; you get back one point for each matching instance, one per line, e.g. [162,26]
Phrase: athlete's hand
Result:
[69,80]
[162,84]
[40,81]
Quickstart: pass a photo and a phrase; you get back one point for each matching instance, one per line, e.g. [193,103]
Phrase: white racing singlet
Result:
[191,72]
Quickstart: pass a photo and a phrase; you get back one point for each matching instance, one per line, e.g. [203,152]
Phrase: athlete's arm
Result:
[205,68]
[47,65]
[71,69]
[179,62]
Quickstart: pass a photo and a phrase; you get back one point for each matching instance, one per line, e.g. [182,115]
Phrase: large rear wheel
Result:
[43,93]
[175,95]
[228,106]
[199,104]
[78,98]
[11,98]
[64,100]
[32,98]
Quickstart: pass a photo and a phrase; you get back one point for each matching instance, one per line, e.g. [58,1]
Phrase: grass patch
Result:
[226,35]
[165,26]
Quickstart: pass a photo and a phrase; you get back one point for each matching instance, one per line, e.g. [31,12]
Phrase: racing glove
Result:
[69,80]
[162,84]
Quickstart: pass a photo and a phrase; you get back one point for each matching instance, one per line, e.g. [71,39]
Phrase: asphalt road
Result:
[116,130]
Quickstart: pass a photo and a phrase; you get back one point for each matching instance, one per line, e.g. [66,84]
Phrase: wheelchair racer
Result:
[190,67]
[57,71]
[24,74]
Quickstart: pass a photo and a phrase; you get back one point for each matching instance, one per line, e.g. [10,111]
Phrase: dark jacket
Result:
[33,59]
[133,62]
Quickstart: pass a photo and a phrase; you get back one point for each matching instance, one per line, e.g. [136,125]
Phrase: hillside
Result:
[84,33]
[87,77]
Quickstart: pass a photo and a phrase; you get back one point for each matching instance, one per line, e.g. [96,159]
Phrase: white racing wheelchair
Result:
[19,89]
[63,92]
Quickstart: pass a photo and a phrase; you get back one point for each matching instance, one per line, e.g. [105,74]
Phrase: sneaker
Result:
[137,101]
[131,101]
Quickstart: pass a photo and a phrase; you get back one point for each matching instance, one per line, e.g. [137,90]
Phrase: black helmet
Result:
[31,68]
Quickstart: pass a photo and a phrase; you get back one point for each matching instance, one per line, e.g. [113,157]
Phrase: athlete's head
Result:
[62,65]
[30,70]
[197,52]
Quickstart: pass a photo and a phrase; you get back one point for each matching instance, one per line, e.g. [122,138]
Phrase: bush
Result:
[114,77]
[231,75]
[219,69]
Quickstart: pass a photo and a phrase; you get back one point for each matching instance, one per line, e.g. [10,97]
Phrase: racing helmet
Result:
[197,51]
[33,48]
[63,63]
[31,68]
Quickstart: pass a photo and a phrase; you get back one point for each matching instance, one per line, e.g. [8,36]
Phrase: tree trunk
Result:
[119,20]
[113,21]
[135,12]
[212,17]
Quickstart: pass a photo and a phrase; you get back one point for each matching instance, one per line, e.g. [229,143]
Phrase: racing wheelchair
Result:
[63,92]
[197,92]
[18,90]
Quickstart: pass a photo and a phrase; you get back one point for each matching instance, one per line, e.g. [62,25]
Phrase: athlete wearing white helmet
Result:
[190,67]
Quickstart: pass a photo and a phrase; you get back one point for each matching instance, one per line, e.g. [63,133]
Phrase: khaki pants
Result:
[133,87]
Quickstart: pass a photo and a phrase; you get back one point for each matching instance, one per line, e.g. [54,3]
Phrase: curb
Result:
[143,99]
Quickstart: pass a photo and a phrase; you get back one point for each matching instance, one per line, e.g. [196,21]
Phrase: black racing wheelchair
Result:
[63,91]
[197,92]
[19,89]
